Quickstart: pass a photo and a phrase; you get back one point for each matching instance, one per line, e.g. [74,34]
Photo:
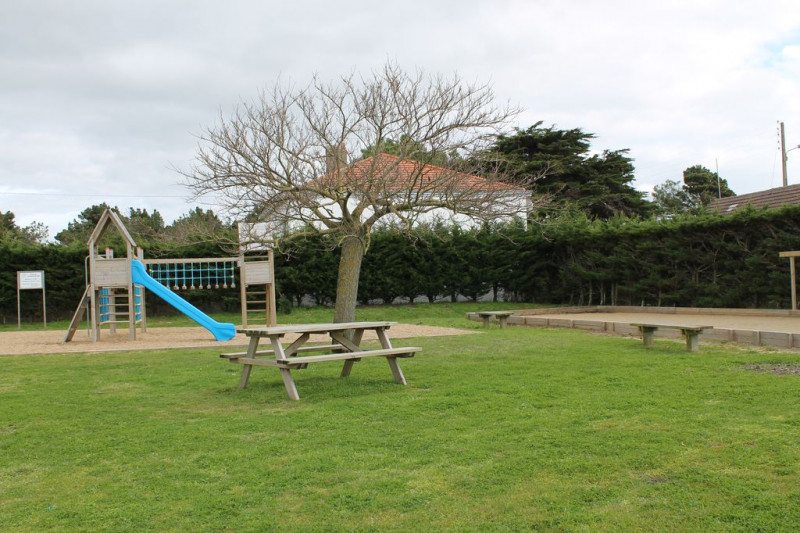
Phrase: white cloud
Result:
[102,96]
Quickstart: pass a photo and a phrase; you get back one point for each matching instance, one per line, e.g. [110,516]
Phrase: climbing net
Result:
[183,274]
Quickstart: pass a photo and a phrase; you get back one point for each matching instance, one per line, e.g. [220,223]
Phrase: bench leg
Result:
[485,321]
[252,348]
[246,369]
[288,382]
[396,372]
[503,320]
[348,366]
[647,335]
[692,341]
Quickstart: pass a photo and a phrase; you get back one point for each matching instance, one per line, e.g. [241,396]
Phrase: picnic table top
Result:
[495,313]
[266,331]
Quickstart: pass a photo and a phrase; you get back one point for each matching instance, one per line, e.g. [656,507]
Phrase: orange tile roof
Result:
[398,174]
[771,199]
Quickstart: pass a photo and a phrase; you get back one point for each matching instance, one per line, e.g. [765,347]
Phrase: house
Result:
[769,199]
[386,179]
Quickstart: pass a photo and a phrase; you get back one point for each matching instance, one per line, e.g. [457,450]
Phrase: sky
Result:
[101,100]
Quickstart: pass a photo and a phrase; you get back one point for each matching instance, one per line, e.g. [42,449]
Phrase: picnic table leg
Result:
[647,334]
[396,372]
[348,365]
[288,382]
[692,340]
[252,348]
[386,344]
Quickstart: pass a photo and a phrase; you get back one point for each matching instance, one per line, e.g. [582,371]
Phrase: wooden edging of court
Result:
[778,328]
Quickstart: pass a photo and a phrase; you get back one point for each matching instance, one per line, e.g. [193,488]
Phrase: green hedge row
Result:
[703,261]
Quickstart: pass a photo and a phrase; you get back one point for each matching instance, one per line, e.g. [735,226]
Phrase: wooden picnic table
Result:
[344,344]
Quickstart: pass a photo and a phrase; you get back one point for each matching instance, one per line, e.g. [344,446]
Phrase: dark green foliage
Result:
[79,230]
[700,187]
[699,261]
[705,185]
[9,230]
[556,163]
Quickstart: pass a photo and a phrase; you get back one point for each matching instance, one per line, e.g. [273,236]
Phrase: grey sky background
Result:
[99,99]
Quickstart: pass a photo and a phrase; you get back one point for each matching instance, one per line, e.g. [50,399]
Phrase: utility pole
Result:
[783,156]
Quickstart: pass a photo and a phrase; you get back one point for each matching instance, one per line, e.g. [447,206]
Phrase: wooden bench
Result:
[502,317]
[302,362]
[691,332]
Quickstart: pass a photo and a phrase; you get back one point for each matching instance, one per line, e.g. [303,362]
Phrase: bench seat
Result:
[294,362]
[690,331]
[315,348]
[502,317]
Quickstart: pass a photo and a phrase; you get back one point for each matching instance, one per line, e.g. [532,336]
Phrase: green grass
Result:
[440,314]
[513,429]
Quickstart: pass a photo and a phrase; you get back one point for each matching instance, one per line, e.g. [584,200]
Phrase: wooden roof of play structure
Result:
[107,219]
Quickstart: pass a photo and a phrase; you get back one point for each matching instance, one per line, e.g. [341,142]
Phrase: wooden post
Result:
[272,319]
[794,283]
[792,274]
[243,289]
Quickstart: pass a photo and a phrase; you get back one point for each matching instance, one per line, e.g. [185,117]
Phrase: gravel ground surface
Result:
[750,323]
[48,342]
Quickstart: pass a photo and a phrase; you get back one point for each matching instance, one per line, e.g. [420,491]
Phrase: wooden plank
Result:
[190,260]
[78,316]
[342,339]
[266,331]
[314,348]
[673,326]
[344,356]
[250,361]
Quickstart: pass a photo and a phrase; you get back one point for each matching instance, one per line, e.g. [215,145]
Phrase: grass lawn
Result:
[513,429]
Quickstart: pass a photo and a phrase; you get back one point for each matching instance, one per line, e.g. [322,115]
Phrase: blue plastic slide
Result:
[222,331]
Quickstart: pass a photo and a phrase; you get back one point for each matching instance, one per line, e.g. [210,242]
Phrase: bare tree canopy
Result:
[283,158]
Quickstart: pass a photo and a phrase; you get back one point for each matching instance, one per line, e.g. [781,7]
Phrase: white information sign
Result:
[30,279]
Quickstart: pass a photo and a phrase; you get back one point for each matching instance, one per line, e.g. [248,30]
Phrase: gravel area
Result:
[776,368]
[743,322]
[49,342]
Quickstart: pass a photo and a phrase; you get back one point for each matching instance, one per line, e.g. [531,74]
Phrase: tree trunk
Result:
[347,283]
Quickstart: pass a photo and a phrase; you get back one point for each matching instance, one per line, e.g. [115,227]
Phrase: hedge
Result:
[696,261]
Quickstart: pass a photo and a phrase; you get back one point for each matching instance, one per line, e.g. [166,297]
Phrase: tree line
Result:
[706,260]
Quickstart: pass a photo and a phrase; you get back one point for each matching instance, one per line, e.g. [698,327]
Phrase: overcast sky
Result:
[99,99]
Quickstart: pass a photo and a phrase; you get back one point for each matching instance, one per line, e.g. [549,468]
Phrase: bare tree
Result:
[283,157]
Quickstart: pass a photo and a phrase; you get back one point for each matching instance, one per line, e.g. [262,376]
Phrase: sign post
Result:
[30,280]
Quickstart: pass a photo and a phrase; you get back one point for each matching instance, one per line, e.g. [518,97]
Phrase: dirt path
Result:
[48,342]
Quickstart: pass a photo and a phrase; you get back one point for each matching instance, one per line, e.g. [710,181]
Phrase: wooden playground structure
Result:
[115,289]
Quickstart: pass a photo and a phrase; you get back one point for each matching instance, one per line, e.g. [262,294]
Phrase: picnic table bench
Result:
[344,345]
[502,317]
[691,332]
